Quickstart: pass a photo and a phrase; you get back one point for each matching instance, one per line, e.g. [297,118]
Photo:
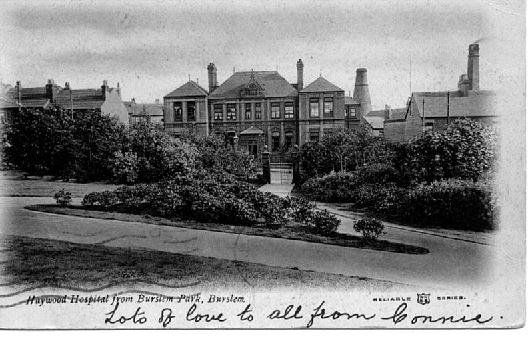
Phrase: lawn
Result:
[292,230]
[43,262]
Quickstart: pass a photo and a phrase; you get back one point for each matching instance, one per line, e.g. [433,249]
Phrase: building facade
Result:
[105,99]
[435,110]
[254,109]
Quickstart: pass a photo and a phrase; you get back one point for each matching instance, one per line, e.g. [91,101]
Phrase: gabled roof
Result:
[272,83]
[394,113]
[252,131]
[376,122]
[476,103]
[81,98]
[150,109]
[188,89]
[321,85]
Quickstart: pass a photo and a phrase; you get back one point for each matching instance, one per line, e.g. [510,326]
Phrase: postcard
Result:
[257,165]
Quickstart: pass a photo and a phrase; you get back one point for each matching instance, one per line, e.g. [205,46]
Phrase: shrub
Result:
[301,210]
[323,222]
[460,204]
[334,187]
[105,199]
[370,228]
[63,198]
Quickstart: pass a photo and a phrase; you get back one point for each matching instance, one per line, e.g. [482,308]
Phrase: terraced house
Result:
[253,109]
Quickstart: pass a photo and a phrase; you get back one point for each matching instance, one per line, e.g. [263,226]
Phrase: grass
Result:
[44,262]
[17,185]
[293,231]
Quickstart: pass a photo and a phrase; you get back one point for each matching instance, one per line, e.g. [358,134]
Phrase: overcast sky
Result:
[151,48]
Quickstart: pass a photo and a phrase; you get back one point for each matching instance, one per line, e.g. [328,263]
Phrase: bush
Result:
[460,204]
[465,150]
[63,198]
[301,210]
[370,228]
[334,187]
[323,222]
[106,200]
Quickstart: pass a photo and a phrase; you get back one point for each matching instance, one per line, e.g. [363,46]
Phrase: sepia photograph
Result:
[262,165]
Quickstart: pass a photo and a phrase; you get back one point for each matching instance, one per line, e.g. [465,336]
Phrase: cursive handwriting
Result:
[192,317]
[320,312]
[399,315]
[137,318]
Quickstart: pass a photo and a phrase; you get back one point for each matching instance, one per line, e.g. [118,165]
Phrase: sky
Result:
[151,48]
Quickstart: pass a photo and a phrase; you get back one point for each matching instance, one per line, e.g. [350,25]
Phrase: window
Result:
[248,110]
[217,111]
[313,104]
[289,136]
[231,111]
[289,110]
[328,106]
[177,111]
[314,134]
[257,111]
[275,110]
[190,105]
[275,140]
[352,112]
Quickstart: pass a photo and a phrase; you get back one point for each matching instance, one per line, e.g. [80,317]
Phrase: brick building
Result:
[145,112]
[252,109]
[104,99]
[435,110]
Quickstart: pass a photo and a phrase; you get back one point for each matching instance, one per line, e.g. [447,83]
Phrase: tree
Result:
[465,149]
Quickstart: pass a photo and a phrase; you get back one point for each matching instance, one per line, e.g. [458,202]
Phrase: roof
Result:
[271,83]
[151,109]
[376,122]
[350,100]
[30,97]
[476,103]
[188,89]
[394,113]
[252,131]
[321,85]
[81,98]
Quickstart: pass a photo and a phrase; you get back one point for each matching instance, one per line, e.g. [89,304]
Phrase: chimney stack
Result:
[157,101]
[473,67]
[104,89]
[49,89]
[361,93]
[212,77]
[300,74]
[67,85]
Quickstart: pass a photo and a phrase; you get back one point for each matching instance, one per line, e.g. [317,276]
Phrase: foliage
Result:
[152,155]
[465,150]
[212,198]
[63,198]
[460,204]
[323,222]
[370,228]
[343,150]
[56,143]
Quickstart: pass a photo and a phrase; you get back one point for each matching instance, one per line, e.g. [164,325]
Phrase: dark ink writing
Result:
[320,312]
[192,317]
[137,318]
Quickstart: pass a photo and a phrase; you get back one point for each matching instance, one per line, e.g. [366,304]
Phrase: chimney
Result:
[118,90]
[361,93]
[133,100]
[212,77]
[387,111]
[473,67]
[300,74]
[19,93]
[67,85]
[104,89]
[49,89]
[157,101]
